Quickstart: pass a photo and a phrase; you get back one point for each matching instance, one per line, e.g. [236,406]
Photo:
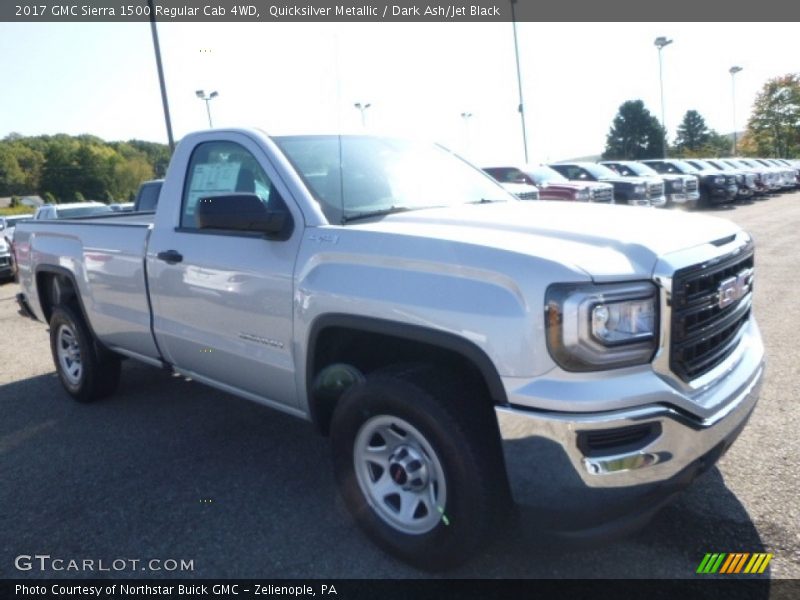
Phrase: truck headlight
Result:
[583,194]
[595,327]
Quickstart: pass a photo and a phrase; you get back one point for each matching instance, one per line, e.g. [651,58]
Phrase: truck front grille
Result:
[655,190]
[710,305]
[603,195]
[528,196]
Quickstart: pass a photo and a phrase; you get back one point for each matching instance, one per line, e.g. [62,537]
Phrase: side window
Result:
[221,168]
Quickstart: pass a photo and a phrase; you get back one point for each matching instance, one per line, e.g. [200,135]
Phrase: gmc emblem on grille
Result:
[732,289]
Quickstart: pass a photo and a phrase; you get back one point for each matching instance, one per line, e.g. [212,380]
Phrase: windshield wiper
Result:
[375,213]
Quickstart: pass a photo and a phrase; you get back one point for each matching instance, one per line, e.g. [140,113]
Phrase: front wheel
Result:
[87,371]
[418,465]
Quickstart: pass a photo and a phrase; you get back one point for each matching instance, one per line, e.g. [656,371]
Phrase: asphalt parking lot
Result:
[169,469]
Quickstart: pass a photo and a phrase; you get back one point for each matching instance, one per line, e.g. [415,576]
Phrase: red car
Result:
[553,185]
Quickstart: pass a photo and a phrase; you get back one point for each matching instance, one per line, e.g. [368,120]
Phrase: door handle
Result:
[170,256]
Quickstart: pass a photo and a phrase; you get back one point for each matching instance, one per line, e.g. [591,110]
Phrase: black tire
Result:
[462,432]
[99,371]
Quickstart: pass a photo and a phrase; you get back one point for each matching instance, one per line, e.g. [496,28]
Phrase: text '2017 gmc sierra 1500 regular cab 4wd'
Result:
[461,348]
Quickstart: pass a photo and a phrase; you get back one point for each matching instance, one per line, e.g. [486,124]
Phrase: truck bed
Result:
[105,256]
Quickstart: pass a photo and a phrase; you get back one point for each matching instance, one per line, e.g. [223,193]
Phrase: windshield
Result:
[720,165]
[642,170]
[599,171]
[359,176]
[702,165]
[542,175]
[629,169]
[83,211]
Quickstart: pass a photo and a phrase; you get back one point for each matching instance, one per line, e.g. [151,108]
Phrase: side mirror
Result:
[243,212]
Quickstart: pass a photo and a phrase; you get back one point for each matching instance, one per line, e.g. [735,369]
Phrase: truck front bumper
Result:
[588,475]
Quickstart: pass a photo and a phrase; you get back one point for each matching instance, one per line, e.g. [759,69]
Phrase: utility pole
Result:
[660,43]
[733,71]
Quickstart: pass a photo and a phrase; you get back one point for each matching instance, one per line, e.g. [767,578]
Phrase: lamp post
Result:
[733,71]
[660,42]
[207,99]
[363,109]
[519,82]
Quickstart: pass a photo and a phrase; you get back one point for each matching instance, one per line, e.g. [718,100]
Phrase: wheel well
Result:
[56,289]
[368,350]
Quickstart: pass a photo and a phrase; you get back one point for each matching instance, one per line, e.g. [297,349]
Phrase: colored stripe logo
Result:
[734,562]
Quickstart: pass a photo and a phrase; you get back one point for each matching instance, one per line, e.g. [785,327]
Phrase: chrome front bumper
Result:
[553,472]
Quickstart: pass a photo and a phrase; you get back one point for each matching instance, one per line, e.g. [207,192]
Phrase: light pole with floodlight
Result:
[733,71]
[207,99]
[363,109]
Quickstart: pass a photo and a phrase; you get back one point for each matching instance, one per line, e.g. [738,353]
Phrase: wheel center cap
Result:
[398,474]
[409,469]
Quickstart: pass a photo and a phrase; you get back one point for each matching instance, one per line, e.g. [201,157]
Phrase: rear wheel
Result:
[87,371]
[417,461]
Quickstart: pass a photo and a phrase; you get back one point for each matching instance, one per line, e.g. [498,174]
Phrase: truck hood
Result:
[605,242]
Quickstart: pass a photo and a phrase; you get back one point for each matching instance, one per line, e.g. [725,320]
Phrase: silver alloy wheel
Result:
[69,354]
[400,475]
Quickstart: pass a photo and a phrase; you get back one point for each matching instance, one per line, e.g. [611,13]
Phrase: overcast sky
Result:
[288,77]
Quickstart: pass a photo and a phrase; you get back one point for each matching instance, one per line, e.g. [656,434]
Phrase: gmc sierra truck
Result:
[635,191]
[470,355]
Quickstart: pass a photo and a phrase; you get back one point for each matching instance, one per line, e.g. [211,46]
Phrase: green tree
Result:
[12,177]
[774,125]
[635,133]
[693,133]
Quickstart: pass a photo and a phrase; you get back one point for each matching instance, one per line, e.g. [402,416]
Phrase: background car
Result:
[121,207]
[715,187]
[745,181]
[147,196]
[72,210]
[759,172]
[656,193]
[9,223]
[553,185]
[627,190]
[6,264]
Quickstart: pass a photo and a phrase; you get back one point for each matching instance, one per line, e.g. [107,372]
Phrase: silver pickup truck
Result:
[471,356]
